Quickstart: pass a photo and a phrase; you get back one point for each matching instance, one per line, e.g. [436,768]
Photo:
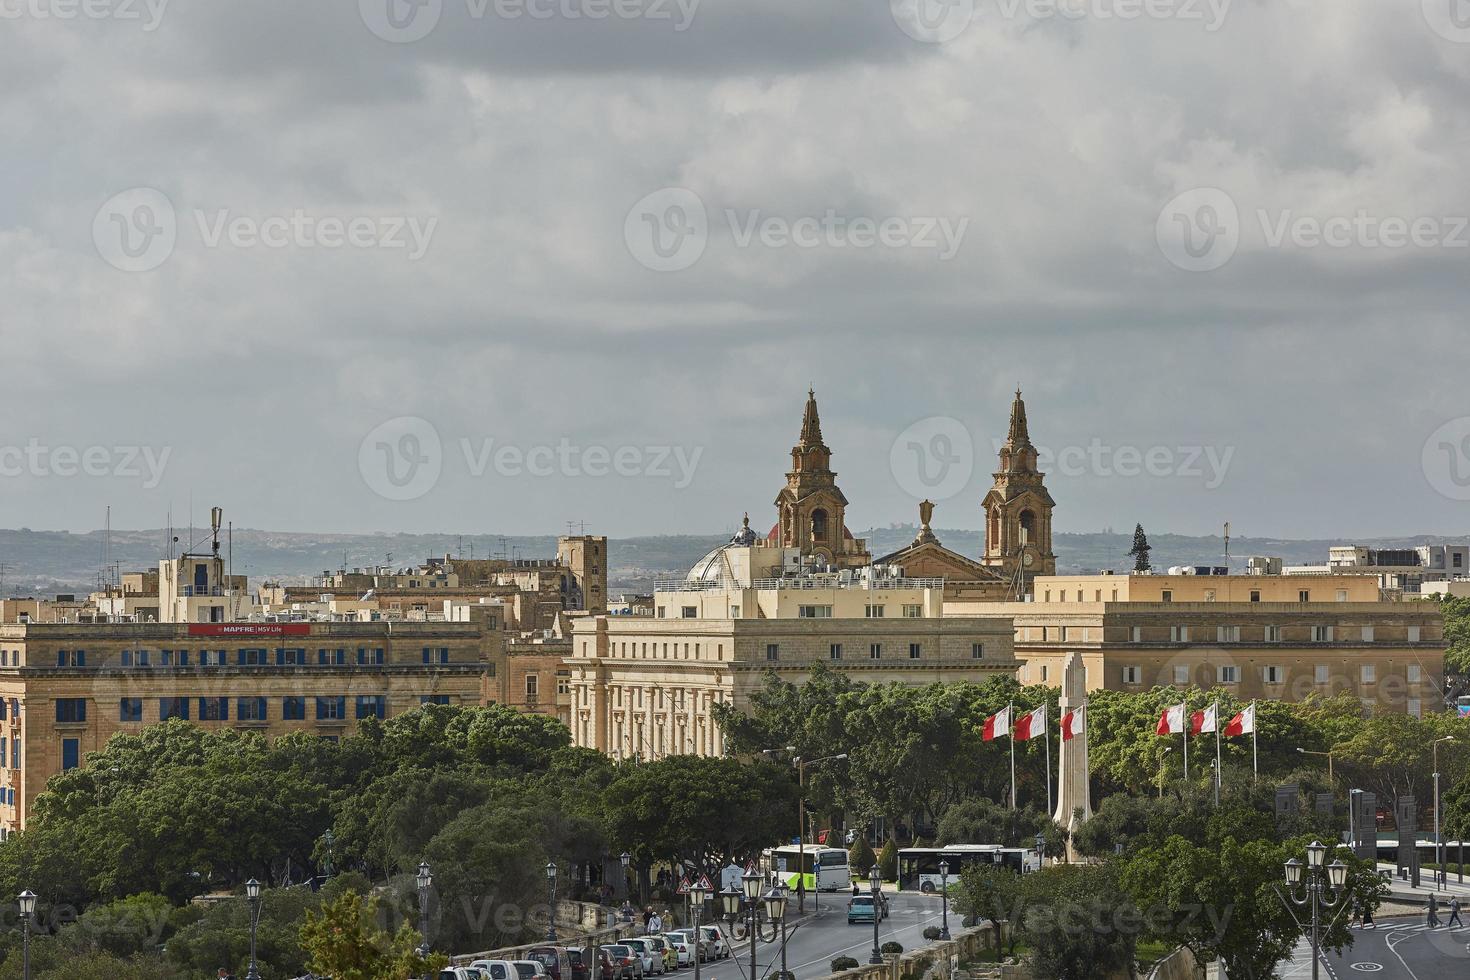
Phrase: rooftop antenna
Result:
[1227,544]
[216,517]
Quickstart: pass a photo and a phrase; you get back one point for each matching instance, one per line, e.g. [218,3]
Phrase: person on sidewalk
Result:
[1433,921]
[1368,917]
[1454,919]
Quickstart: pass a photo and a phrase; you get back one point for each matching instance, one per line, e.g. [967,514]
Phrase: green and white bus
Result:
[825,868]
[918,867]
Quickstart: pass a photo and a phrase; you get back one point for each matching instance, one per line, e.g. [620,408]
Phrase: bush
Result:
[931,933]
[891,947]
[861,857]
[844,963]
[888,861]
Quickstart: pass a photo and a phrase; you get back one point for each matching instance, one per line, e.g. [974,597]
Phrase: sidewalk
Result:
[1402,888]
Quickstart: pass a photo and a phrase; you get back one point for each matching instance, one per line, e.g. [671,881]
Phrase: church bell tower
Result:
[1018,510]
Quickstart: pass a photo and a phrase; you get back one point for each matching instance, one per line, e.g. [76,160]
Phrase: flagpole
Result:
[1011,737]
[1046,726]
[1184,719]
[1255,758]
[1217,752]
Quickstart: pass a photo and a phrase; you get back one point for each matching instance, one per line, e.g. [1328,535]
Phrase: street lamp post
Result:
[1440,875]
[252,895]
[425,881]
[625,859]
[1316,887]
[775,902]
[698,895]
[27,912]
[551,898]
[875,879]
[801,821]
[944,887]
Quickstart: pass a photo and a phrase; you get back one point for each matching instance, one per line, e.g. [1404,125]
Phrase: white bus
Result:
[918,867]
[825,868]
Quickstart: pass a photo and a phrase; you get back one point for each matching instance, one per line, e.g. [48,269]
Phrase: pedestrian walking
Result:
[1368,918]
[1433,921]
[1357,915]
[654,925]
[1454,919]
[647,917]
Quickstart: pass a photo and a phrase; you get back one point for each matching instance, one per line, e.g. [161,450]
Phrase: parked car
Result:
[666,950]
[683,944]
[459,973]
[497,969]
[626,959]
[530,969]
[576,963]
[606,968]
[549,957]
[719,943]
[862,908]
[653,959]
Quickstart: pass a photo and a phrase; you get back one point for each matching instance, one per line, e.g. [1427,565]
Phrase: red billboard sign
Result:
[249,629]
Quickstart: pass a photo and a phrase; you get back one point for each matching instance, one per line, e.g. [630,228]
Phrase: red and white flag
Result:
[1171,722]
[998,724]
[1243,723]
[1031,725]
[1202,721]
[1074,723]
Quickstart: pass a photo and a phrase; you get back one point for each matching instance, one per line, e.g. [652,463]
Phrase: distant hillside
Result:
[47,562]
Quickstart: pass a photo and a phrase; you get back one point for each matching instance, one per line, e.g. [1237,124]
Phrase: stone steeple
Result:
[811,508]
[1018,509]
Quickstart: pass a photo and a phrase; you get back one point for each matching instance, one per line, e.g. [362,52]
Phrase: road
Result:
[1400,948]
[824,935]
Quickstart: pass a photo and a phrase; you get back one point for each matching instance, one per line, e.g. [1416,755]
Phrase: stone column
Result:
[1072,787]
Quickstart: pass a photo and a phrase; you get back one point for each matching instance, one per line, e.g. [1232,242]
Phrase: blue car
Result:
[862,909]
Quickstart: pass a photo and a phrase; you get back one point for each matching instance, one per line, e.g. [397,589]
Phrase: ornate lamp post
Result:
[252,895]
[944,887]
[27,912]
[425,881]
[551,891]
[775,902]
[625,859]
[875,879]
[698,895]
[1319,889]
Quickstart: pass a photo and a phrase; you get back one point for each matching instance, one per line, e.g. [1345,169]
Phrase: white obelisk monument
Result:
[1072,785]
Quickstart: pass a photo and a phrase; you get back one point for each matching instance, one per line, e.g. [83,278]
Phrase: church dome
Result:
[711,568]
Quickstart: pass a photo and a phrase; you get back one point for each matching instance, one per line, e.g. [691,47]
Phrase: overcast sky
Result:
[496,265]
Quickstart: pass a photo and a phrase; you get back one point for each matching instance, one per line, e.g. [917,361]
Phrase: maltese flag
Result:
[1171,722]
[998,724]
[1202,721]
[1243,723]
[1074,723]
[1031,725]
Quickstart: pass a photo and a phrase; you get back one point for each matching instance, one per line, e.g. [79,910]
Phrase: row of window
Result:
[1223,634]
[244,657]
[1274,674]
[875,651]
[293,708]
[911,610]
